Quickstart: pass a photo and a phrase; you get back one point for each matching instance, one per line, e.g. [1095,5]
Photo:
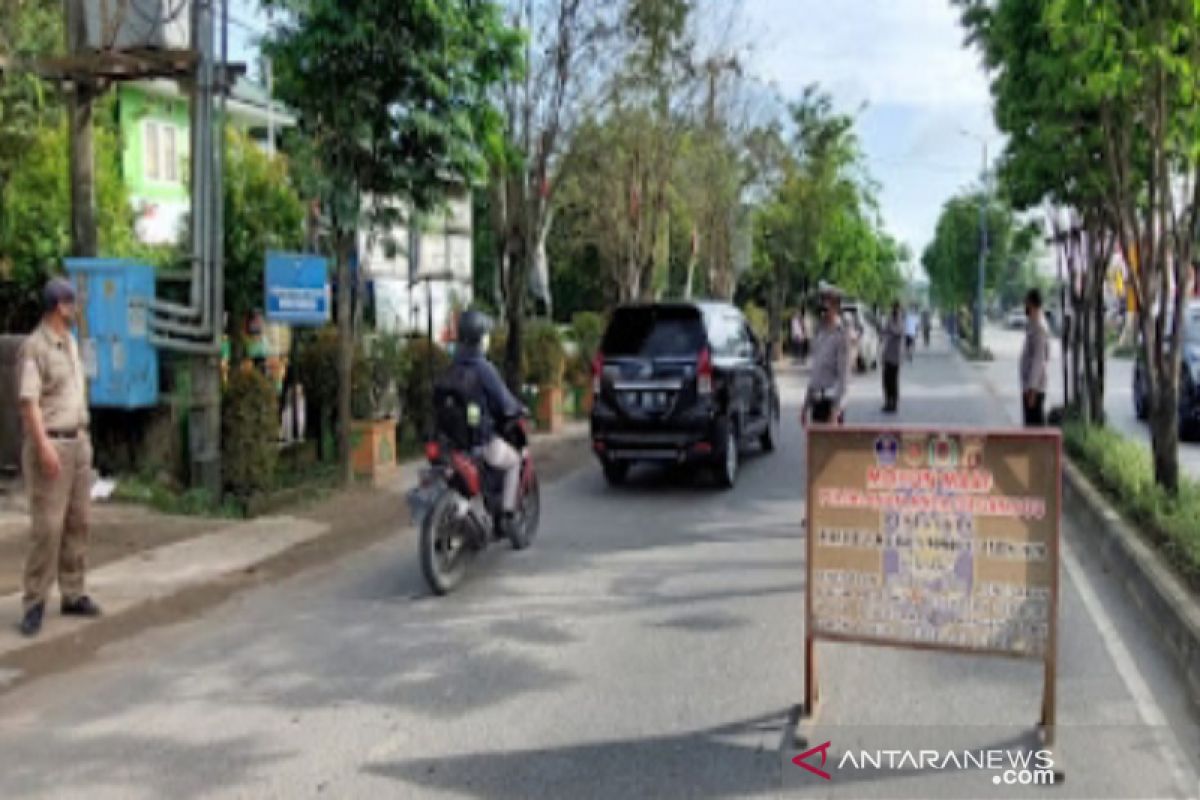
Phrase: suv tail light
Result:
[597,372]
[704,372]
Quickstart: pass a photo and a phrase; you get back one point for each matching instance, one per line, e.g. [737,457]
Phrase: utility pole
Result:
[82,167]
[983,251]
[985,199]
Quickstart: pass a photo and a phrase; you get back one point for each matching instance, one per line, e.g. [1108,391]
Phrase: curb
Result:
[1145,576]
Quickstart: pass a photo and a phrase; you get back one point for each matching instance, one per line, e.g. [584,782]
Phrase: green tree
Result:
[35,233]
[1053,155]
[262,212]
[396,100]
[1129,74]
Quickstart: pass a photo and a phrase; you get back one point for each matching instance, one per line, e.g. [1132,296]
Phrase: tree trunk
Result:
[1096,378]
[514,302]
[82,149]
[345,322]
[1164,434]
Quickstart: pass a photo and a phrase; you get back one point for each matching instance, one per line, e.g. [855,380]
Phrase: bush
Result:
[545,358]
[379,371]
[249,429]
[416,393]
[317,372]
[587,329]
[1124,471]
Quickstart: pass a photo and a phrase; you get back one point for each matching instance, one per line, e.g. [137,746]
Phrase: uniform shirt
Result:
[1034,358]
[893,340]
[830,364]
[51,375]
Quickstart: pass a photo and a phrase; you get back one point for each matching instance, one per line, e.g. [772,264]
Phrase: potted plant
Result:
[375,407]
[587,328]
[545,361]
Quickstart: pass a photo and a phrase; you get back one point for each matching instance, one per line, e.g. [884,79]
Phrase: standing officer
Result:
[56,460]
[893,345]
[825,400]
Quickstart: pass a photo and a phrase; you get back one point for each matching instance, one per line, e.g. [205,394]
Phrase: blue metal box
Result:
[121,364]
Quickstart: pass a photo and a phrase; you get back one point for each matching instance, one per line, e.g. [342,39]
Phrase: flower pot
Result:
[373,448]
[586,401]
[549,408]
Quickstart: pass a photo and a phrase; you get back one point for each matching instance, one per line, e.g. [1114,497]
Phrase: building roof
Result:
[248,101]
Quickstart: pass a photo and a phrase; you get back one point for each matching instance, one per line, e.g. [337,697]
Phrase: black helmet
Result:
[473,326]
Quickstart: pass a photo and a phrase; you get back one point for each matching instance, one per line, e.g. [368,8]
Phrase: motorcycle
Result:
[458,507]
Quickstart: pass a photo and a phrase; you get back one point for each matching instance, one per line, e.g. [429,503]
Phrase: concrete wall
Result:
[10,419]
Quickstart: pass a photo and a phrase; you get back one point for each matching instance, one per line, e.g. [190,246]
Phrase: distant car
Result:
[1189,378]
[863,335]
[681,383]
[1016,319]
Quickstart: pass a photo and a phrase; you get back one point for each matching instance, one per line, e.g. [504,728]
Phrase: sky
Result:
[905,60]
[900,65]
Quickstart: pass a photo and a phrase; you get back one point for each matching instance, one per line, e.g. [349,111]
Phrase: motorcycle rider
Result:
[497,406]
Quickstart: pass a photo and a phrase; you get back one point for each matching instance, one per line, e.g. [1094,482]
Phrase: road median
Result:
[1142,571]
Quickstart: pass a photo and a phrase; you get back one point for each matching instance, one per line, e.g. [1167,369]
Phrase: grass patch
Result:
[160,497]
[1124,471]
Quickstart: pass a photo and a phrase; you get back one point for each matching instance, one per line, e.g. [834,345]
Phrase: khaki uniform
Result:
[51,375]
[830,376]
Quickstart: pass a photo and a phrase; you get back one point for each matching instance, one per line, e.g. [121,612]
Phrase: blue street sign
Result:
[297,288]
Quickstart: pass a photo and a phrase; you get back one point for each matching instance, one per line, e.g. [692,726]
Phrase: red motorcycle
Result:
[457,506]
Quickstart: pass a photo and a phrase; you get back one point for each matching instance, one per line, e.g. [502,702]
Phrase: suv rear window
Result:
[654,332]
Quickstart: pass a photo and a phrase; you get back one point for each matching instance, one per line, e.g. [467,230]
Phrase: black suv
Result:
[1189,378]
[681,383]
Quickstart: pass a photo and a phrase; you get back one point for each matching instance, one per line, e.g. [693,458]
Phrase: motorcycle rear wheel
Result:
[528,516]
[445,546]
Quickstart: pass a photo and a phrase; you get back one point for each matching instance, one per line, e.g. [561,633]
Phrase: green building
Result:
[154,123]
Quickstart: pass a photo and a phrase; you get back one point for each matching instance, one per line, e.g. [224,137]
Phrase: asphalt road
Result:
[649,645]
[1005,345]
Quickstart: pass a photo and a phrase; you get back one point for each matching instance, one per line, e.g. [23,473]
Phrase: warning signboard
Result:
[937,539]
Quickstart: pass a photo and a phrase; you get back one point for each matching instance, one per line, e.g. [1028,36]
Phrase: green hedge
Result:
[249,433]
[1124,470]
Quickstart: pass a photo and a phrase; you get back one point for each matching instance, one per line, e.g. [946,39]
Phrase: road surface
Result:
[649,645]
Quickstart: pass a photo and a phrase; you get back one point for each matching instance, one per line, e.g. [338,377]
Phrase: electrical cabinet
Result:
[120,362]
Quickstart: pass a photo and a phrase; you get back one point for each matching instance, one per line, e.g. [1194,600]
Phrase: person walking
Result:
[911,324]
[1034,360]
[825,400]
[893,346]
[56,460]
[799,338]
[926,325]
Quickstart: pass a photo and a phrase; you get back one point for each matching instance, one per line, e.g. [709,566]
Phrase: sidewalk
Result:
[203,560]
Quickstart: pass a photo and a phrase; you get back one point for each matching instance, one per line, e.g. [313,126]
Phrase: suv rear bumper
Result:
[695,441]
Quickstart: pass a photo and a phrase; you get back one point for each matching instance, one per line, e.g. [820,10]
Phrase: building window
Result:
[161,151]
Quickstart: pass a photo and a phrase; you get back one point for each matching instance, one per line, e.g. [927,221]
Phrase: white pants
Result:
[501,455]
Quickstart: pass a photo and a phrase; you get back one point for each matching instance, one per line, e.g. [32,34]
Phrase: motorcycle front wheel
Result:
[528,516]
[445,546]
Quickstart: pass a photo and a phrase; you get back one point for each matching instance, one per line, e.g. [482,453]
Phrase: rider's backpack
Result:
[457,406]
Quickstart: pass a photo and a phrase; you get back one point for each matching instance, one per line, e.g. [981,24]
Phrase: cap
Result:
[825,290]
[57,290]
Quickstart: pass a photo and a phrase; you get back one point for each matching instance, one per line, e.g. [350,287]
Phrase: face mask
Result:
[485,343]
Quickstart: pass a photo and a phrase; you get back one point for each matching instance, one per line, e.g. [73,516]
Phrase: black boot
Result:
[81,606]
[31,623]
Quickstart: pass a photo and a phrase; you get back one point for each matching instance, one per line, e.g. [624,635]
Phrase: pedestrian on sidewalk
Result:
[893,347]
[825,400]
[911,324]
[56,460]
[1034,360]
[799,338]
